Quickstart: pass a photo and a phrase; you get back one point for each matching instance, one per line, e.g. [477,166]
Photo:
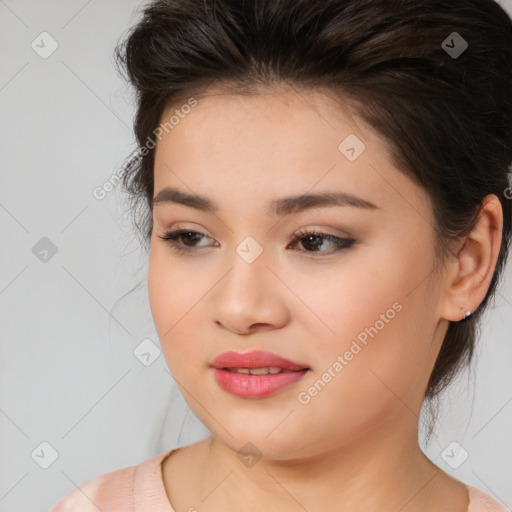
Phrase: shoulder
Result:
[122,490]
[108,491]
[481,502]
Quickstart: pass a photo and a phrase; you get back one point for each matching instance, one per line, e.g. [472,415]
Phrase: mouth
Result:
[256,374]
[241,382]
[270,370]
[256,360]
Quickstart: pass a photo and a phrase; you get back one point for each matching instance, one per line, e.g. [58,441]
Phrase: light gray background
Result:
[68,373]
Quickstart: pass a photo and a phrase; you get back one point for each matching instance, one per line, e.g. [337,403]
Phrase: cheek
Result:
[360,301]
[160,298]
[375,333]
[172,291]
[357,386]
[175,299]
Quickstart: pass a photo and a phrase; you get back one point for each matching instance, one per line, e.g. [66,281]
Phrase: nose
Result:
[249,298]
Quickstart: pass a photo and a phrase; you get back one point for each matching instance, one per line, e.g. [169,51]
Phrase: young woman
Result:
[324,192]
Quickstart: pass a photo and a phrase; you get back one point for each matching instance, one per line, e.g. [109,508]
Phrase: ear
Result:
[469,273]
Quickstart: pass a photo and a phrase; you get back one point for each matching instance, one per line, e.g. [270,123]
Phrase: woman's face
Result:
[362,316]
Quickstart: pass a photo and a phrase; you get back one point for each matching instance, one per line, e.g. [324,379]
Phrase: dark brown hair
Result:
[447,118]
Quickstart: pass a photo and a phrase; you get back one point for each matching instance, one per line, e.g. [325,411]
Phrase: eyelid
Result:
[305,231]
[341,243]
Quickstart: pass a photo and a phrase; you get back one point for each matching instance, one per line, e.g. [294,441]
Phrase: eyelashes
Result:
[176,238]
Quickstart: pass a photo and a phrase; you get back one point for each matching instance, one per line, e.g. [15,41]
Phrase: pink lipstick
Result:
[255,374]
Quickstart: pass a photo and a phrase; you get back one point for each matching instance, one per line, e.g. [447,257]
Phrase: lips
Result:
[255,359]
[256,386]
[279,373]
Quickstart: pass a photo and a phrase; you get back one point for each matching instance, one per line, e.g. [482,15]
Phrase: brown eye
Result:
[184,240]
[313,241]
[186,236]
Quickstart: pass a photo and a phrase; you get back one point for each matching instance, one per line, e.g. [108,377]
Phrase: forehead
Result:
[288,141]
[272,110]
[269,111]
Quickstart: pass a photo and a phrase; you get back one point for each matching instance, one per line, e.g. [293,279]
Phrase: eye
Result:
[313,239]
[184,240]
[190,237]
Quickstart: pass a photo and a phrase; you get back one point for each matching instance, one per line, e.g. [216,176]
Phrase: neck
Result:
[383,470]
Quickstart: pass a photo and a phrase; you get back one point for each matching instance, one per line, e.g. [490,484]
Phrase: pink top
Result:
[141,488]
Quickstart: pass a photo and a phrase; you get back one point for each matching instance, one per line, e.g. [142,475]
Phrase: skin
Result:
[354,446]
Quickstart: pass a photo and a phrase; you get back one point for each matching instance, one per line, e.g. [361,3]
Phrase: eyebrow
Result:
[281,206]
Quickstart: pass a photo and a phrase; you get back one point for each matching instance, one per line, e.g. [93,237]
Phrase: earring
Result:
[467,315]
